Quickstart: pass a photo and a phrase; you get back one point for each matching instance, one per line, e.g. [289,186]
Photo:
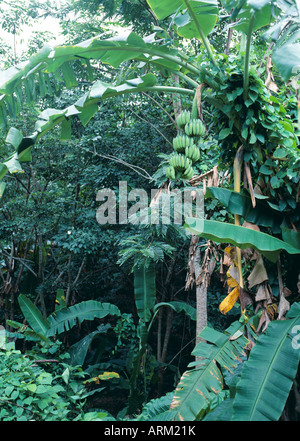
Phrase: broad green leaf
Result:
[287,60]
[10,77]
[3,170]
[268,374]
[79,350]
[66,129]
[198,386]
[193,18]
[2,188]
[14,137]
[69,75]
[64,319]
[241,204]
[178,307]
[240,237]
[13,164]
[162,9]
[263,13]
[87,112]
[158,409]
[144,291]
[291,236]
[84,108]
[38,70]
[33,315]
[101,90]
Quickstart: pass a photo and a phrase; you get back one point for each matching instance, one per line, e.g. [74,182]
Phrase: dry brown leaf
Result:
[249,254]
[286,291]
[249,180]
[270,83]
[261,294]
[258,274]
[283,307]
[245,299]
[227,260]
[263,322]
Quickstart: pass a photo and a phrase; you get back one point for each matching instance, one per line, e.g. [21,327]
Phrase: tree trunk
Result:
[199,274]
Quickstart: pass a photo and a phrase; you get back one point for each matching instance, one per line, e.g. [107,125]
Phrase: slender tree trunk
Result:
[203,273]
[201,298]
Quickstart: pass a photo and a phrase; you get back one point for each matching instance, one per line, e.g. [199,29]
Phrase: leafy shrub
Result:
[30,392]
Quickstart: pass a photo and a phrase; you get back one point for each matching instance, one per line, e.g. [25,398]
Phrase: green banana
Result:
[188,173]
[195,127]
[181,142]
[179,162]
[183,118]
[170,173]
[193,152]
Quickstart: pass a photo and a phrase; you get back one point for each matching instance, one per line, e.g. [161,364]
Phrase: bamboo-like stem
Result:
[247,57]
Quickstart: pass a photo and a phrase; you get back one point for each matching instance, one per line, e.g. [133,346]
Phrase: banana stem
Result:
[237,171]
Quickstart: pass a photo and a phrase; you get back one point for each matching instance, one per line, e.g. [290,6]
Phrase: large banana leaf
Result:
[193,18]
[254,14]
[241,204]
[157,409]
[64,319]
[287,60]
[200,385]
[33,316]
[144,291]
[240,237]
[286,54]
[79,350]
[267,376]
[113,51]
[84,108]
[43,73]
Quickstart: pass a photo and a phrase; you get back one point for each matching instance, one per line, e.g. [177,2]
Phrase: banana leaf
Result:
[287,60]
[144,291]
[85,108]
[64,319]
[190,15]
[36,321]
[157,409]
[198,386]
[255,13]
[178,307]
[240,237]
[2,188]
[241,204]
[268,374]
[79,350]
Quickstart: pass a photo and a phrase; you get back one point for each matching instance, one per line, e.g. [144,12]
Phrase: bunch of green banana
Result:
[181,142]
[192,152]
[170,173]
[180,162]
[195,127]
[183,118]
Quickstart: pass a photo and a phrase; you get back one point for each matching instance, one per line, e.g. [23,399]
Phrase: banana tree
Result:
[253,128]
